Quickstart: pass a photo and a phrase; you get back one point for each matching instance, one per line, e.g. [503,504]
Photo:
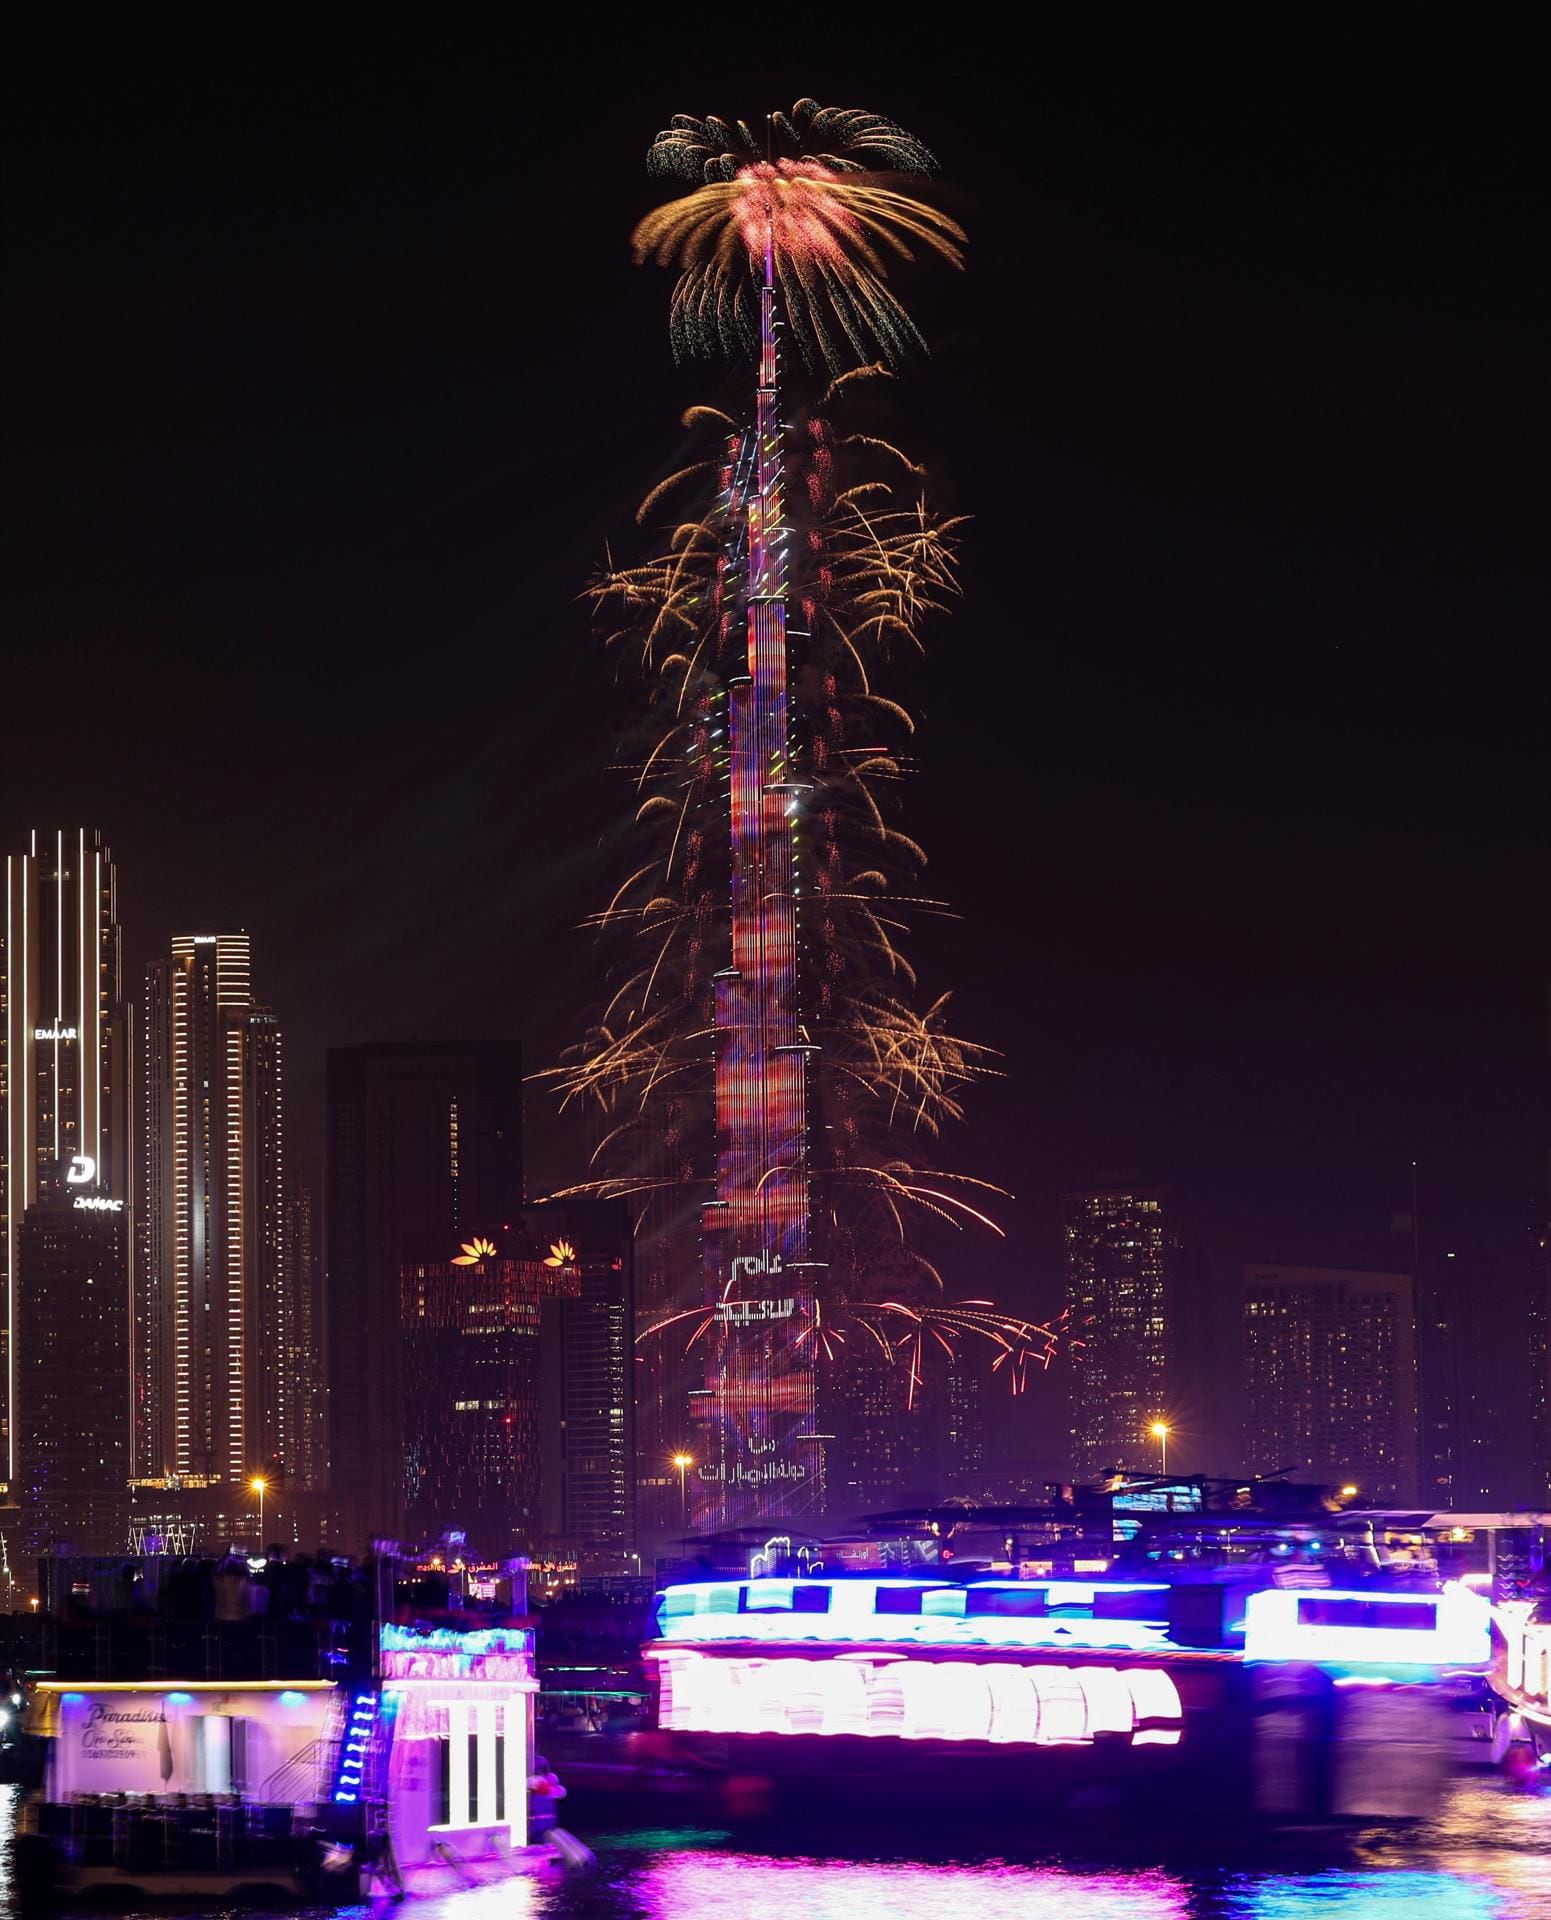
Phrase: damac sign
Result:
[53,1033]
[82,1170]
[95,1203]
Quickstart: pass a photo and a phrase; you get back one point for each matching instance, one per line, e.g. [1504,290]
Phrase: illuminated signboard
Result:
[747,1313]
[96,1203]
[1331,1626]
[82,1170]
[53,1033]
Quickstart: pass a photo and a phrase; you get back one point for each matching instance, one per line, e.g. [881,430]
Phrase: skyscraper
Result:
[1330,1377]
[1120,1255]
[472,1316]
[304,1267]
[587,1352]
[72,1405]
[64,1047]
[213,1306]
[424,1139]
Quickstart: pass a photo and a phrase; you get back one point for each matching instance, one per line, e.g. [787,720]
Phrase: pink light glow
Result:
[789,205]
[998,1702]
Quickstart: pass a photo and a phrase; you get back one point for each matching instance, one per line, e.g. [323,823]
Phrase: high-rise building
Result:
[214,1314]
[64,1049]
[587,1355]
[72,1404]
[1120,1254]
[304,1265]
[1330,1378]
[472,1316]
[424,1139]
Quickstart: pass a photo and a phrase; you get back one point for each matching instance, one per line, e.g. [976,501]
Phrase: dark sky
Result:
[326,385]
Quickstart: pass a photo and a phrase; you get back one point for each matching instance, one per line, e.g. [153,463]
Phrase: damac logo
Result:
[95,1203]
[82,1170]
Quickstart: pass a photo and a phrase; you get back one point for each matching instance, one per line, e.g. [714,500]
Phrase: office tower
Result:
[72,1404]
[423,1140]
[64,1047]
[1120,1255]
[1330,1378]
[213,1309]
[472,1310]
[587,1356]
[304,1265]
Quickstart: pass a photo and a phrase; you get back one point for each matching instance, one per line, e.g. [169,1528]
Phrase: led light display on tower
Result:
[774,1192]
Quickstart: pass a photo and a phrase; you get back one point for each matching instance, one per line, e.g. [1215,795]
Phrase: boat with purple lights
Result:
[1268,1668]
[375,1746]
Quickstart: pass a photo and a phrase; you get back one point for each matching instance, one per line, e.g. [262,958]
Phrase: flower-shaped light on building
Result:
[561,1254]
[473,1252]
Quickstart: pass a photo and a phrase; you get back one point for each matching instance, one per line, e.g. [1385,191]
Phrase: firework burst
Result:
[810,217]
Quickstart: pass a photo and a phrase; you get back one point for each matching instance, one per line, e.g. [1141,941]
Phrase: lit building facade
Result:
[73,1400]
[472,1318]
[216,1397]
[423,1140]
[64,1049]
[588,1367]
[1540,1366]
[1120,1254]
[1330,1378]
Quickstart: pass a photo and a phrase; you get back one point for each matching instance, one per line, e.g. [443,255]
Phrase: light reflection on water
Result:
[1487,1858]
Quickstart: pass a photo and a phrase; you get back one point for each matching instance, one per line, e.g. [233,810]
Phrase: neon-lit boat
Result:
[398,1761]
[1286,1701]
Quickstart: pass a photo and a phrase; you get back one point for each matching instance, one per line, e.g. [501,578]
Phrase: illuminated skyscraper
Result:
[588,1360]
[473,1316]
[64,1048]
[1120,1255]
[215,1398]
[1330,1378]
[424,1139]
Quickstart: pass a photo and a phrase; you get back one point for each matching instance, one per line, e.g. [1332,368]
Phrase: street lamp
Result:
[683,1462]
[260,1485]
[1160,1432]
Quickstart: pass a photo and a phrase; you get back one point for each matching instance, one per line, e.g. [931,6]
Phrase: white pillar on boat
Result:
[458,1763]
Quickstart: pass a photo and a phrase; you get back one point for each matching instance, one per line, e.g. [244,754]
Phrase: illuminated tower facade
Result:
[64,1050]
[213,1308]
[758,1459]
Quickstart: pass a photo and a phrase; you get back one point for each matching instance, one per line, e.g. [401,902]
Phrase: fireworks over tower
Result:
[771,1006]
[760,1397]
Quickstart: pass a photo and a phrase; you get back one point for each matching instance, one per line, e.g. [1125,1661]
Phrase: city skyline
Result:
[1278,947]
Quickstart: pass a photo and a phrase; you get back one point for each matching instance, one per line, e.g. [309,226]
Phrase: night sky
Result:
[326,386]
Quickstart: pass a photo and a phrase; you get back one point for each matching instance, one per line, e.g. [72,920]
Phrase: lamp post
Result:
[1160,1432]
[683,1462]
[260,1485]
